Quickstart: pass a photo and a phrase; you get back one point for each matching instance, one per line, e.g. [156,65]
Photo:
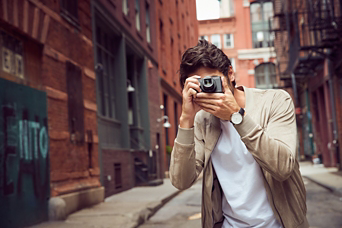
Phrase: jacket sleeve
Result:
[274,147]
[187,158]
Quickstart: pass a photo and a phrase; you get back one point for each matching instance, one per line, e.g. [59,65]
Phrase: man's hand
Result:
[189,107]
[221,105]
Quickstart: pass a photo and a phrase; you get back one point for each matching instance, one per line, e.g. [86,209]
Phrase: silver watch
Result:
[237,117]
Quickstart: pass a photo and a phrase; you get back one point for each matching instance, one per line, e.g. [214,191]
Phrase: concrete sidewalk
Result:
[123,210]
[329,178]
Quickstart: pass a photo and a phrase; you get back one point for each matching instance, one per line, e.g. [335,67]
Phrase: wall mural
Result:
[24,155]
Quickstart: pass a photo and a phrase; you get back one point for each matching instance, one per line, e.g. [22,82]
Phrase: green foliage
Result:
[168,149]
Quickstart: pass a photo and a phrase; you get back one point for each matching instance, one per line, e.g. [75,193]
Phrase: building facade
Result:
[308,47]
[176,30]
[125,49]
[243,35]
[48,124]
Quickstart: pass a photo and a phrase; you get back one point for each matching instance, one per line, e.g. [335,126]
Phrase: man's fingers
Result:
[225,85]
[208,101]
[208,106]
[210,95]
[192,85]
[192,92]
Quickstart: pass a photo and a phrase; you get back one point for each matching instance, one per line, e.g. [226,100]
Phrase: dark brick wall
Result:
[49,42]
[123,157]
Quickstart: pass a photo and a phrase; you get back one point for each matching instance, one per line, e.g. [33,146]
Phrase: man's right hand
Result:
[189,107]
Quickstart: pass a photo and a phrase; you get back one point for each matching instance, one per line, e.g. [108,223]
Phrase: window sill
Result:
[126,19]
[149,46]
[71,20]
[139,34]
[105,118]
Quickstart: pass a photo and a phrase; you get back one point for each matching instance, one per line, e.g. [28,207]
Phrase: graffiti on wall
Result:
[24,155]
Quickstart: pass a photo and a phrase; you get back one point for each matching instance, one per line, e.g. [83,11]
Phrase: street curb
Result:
[148,212]
[334,190]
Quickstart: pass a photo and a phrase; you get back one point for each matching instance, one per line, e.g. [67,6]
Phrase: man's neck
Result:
[240,97]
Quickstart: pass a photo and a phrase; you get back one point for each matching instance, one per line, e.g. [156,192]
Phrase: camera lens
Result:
[208,84]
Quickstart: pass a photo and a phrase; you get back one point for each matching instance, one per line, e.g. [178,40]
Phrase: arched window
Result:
[265,76]
[261,13]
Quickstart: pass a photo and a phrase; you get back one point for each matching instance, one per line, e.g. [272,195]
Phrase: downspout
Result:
[332,103]
[294,88]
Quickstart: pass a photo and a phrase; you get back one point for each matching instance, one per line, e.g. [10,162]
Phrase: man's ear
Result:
[231,74]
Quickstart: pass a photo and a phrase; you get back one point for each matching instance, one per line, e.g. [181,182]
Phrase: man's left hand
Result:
[221,105]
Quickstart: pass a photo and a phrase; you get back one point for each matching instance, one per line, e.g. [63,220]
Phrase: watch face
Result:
[236,118]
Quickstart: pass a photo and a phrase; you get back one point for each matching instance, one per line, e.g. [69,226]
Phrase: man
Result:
[244,140]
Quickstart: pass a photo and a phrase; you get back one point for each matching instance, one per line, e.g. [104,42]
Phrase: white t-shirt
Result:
[244,199]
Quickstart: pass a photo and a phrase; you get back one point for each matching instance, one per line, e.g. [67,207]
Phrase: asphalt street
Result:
[181,212]
[324,209]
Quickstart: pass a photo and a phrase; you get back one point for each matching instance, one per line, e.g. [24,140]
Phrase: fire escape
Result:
[306,31]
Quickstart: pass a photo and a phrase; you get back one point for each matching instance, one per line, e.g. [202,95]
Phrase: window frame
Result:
[267,41]
[125,7]
[211,40]
[231,41]
[148,23]
[137,15]
[67,14]
[267,74]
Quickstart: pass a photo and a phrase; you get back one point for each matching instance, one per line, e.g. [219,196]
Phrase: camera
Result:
[211,84]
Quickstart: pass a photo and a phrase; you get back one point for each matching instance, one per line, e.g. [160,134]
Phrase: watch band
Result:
[242,111]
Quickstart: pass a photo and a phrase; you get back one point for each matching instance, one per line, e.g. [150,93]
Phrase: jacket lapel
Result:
[213,133]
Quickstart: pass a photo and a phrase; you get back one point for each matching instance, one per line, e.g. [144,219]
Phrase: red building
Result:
[177,30]
[48,102]
[242,33]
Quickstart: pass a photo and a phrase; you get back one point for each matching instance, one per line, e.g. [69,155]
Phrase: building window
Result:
[75,102]
[232,61]
[265,76]
[148,28]
[216,40]
[106,82]
[137,14]
[261,13]
[69,10]
[203,38]
[125,7]
[228,41]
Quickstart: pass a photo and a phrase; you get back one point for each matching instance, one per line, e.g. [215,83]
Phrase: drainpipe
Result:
[296,102]
[294,87]
[332,103]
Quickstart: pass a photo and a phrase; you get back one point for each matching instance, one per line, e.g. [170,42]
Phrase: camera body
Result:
[211,84]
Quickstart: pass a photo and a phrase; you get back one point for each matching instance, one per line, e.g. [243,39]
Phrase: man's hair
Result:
[204,54]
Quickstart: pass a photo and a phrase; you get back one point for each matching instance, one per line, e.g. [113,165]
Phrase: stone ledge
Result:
[60,207]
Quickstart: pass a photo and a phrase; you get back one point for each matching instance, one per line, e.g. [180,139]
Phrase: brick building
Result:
[308,47]
[48,123]
[176,31]
[125,49]
[242,33]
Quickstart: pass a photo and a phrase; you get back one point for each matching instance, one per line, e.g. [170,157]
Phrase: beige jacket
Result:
[269,133]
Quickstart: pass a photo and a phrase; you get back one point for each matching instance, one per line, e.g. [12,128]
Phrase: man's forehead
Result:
[206,71]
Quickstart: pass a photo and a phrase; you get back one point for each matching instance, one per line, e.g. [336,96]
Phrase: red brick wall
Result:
[109,158]
[180,25]
[53,42]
